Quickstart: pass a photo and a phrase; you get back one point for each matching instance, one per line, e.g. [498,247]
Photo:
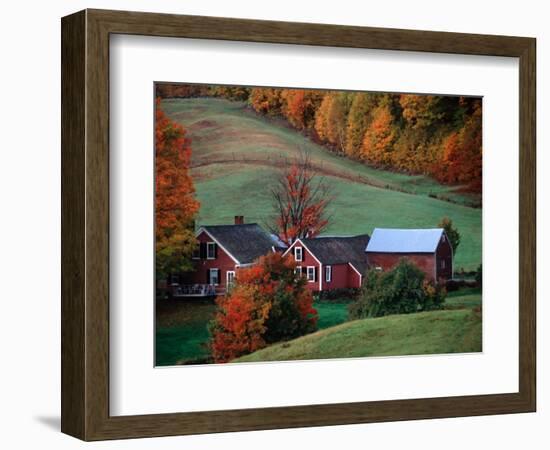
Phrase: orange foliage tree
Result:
[379,138]
[421,111]
[300,200]
[359,118]
[294,108]
[266,100]
[175,202]
[267,304]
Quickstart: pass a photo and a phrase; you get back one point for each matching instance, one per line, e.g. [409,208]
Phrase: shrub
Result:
[339,294]
[267,304]
[401,290]
[454,285]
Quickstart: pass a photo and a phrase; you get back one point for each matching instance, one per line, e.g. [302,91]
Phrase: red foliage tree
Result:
[462,154]
[175,202]
[268,303]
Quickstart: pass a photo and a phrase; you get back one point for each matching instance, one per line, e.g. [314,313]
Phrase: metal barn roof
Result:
[392,240]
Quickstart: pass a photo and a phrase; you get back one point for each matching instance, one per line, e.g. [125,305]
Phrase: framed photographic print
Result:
[268,224]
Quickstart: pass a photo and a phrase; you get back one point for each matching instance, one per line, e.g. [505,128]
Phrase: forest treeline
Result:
[440,136]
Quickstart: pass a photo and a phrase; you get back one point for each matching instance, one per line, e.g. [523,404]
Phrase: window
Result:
[230,278]
[196,253]
[298,271]
[311,274]
[214,276]
[442,263]
[298,253]
[210,250]
[442,238]
[174,278]
[328,274]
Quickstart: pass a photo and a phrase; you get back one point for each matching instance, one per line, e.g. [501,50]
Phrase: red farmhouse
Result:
[222,250]
[327,263]
[429,249]
[331,262]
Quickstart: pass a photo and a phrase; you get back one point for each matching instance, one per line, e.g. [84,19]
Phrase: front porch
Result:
[195,290]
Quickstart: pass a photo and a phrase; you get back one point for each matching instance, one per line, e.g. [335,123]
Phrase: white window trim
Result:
[208,246]
[307,274]
[328,274]
[203,230]
[298,270]
[217,276]
[301,253]
[227,277]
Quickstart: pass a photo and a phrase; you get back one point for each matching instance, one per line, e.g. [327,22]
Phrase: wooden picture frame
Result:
[85,224]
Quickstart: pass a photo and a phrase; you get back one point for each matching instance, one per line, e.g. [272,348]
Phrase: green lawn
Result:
[182,326]
[236,155]
[464,298]
[435,332]
[331,313]
[182,331]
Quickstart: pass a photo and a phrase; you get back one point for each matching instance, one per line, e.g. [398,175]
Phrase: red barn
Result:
[222,251]
[331,262]
[429,249]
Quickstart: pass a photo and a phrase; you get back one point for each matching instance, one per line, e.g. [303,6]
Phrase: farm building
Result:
[327,262]
[428,249]
[331,262]
[222,250]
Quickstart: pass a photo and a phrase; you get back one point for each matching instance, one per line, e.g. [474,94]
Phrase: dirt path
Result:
[281,163]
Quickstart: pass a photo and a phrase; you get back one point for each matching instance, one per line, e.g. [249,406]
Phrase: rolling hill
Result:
[434,332]
[237,153]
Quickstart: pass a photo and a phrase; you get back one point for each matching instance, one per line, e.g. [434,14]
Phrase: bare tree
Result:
[301,199]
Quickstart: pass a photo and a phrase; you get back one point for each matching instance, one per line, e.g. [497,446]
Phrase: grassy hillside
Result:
[447,331]
[182,328]
[236,153]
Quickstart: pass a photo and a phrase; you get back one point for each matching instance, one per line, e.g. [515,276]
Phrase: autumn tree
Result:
[267,304]
[175,202]
[300,200]
[331,119]
[266,100]
[379,138]
[294,109]
[322,115]
[359,118]
[462,154]
[451,232]
[237,93]
[180,90]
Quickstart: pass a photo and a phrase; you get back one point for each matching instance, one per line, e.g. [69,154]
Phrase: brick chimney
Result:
[239,220]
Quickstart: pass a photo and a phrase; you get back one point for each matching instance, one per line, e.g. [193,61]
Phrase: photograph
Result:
[307,224]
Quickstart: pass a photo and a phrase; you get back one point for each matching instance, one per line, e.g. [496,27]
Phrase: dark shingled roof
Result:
[245,242]
[340,250]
